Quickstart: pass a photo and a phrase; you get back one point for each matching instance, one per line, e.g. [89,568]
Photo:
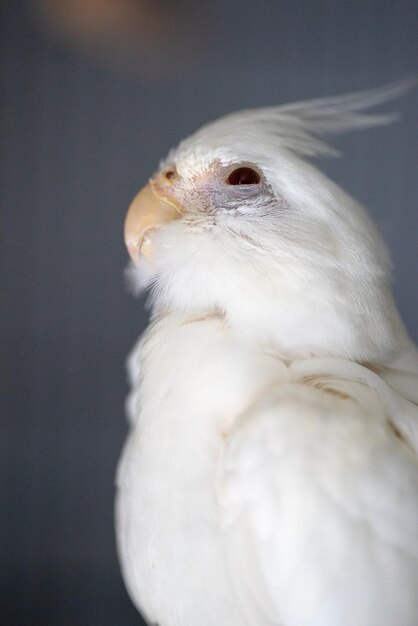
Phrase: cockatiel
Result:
[270,473]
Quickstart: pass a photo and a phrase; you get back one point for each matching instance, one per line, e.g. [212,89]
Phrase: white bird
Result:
[270,473]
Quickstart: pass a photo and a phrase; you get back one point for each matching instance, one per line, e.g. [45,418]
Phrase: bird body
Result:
[180,574]
[270,476]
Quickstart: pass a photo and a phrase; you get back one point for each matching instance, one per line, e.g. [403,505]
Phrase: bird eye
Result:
[244,176]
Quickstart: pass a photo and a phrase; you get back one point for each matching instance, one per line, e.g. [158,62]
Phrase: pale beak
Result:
[147,212]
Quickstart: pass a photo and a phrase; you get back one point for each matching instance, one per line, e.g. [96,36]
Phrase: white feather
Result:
[320,509]
[270,477]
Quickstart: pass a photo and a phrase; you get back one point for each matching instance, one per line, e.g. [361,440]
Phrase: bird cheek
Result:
[206,197]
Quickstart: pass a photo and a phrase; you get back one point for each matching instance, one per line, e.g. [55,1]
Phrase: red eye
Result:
[244,176]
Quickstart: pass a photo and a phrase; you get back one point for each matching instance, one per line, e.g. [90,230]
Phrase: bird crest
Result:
[299,126]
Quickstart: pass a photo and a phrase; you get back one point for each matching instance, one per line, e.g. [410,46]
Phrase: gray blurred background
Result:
[92,94]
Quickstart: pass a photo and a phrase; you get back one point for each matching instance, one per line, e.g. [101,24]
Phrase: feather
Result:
[270,476]
[319,503]
[298,125]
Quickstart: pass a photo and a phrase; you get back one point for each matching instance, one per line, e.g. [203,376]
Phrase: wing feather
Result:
[319,503]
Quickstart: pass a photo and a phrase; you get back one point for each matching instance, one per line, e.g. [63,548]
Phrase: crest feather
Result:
[299,125]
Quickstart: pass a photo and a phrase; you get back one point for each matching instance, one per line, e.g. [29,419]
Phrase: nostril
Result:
[170,174]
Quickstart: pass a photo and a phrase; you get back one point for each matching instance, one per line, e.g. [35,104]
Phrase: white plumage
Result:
[270,473]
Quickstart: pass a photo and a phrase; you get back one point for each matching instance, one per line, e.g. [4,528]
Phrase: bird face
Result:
[203,199]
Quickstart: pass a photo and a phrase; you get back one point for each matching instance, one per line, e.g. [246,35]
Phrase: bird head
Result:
[237,222]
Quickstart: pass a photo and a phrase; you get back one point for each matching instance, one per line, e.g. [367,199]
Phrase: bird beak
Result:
[148,211]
